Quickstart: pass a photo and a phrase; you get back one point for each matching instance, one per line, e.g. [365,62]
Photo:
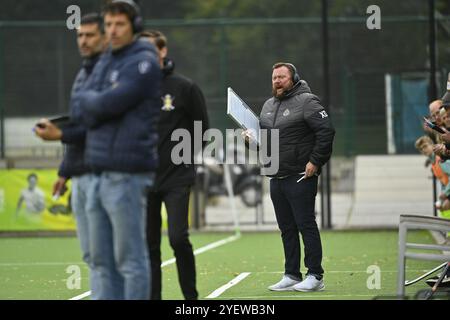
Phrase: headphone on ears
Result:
[295,75]
[137,23]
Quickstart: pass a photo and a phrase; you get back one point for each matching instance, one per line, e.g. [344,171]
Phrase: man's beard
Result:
[93,53]
[282,93]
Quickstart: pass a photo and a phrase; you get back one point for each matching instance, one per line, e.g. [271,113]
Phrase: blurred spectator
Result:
[443,148]
[437,116]
[441,170]
[439,156]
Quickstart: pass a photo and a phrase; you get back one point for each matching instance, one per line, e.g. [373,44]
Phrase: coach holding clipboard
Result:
[305,145]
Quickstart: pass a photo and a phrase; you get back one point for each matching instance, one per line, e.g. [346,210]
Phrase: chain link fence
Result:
[39,60]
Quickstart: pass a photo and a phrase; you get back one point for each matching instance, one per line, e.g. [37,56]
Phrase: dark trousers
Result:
[176,201]
[294,204]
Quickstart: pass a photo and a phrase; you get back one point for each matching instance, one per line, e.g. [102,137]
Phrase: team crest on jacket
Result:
[286,112]
[143,67]
[114,76]
[168,103]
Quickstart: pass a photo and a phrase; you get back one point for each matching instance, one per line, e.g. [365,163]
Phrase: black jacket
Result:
[305,130]
[120,109]
[181,103]
[74,135]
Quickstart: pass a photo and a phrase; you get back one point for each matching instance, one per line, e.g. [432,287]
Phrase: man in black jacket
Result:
[305,145]
[182,103]
[91,42]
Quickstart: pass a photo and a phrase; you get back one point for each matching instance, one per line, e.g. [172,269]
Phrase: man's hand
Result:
[439,149]
[445,136]
[248,136]
[310,170]
[47,130]
[438,205]
[427,129]
[59,188]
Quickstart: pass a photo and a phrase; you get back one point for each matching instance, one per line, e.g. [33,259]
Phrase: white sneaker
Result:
[286,284]
[310,284]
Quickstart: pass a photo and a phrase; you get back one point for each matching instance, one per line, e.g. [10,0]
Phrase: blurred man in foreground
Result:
[120,110]
[91,42]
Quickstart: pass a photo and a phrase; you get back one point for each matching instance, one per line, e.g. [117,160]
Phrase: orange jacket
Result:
[438,172]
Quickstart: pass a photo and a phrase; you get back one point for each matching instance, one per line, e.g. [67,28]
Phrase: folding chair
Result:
[413,222]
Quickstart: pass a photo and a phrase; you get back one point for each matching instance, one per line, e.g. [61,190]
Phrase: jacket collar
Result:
[168,67]
[123,49]
[88,64]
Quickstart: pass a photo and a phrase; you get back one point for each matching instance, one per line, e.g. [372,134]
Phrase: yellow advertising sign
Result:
[26,202]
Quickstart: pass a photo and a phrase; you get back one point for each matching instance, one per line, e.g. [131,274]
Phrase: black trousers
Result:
[176,201]
[294,204]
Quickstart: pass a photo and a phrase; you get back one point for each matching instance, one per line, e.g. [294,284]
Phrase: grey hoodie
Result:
[305,130]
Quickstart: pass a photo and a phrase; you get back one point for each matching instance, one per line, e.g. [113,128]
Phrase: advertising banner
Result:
[27,204]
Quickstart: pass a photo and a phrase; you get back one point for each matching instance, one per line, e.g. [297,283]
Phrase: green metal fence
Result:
[39,59]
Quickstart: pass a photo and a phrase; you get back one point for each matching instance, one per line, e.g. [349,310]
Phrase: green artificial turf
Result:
[35,268]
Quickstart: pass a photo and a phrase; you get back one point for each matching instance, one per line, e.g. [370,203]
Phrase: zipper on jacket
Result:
[276,113]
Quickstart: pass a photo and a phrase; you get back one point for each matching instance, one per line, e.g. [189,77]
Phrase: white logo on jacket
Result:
[286,112]
[114,76]
[143,67]
[323,114]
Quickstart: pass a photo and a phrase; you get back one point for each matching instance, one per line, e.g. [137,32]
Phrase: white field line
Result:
[350,271]
[227,286]
[81,296]
[216,293]
[171,261]
[39,264]
[206,248]
[300,295]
